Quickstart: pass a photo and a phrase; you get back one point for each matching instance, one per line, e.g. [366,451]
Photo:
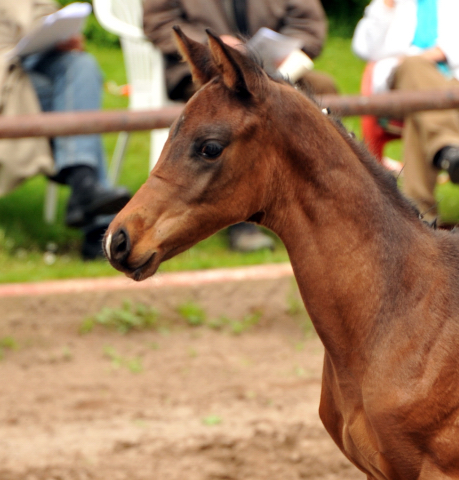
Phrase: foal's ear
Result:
[239,73]
[197,56]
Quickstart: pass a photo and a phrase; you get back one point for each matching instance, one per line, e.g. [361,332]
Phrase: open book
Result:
[53,29]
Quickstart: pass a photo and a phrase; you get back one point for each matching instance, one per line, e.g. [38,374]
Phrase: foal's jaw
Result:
[146,269]
[139,240]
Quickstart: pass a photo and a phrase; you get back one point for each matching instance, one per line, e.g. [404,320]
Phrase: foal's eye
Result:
[210,149]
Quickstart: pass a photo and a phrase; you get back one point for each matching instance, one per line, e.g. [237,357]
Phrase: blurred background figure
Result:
[415,46]
[64,78]
[233,20]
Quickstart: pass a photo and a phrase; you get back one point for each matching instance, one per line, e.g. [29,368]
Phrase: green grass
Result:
[30,250]
[125,319]
[6,344]
[129,317]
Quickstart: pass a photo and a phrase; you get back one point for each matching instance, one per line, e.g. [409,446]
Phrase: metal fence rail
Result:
[394,104]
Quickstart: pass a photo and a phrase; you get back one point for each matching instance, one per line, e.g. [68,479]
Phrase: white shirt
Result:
[384,34]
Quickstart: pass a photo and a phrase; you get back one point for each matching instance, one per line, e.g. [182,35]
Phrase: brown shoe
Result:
[247,237]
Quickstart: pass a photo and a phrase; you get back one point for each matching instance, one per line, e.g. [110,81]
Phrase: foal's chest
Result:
[345,419]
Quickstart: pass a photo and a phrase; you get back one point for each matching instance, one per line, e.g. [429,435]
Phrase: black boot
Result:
[448,159]
[90,198]
[91,248]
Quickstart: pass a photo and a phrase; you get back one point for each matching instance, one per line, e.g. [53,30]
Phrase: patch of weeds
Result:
[125,319]
[297,310]
[299,371]
[236,327]
[193,314]
[211,420]
[250,395]
[7,343]
[134,365]
[299,346]
[192,353]
[113,356]
[240,326]
[219,323]
[87,326]
[164,331]
[294,304]
[306,326]
[67,354]
[140,422]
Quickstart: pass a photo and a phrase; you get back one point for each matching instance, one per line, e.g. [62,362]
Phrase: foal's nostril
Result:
[120,246]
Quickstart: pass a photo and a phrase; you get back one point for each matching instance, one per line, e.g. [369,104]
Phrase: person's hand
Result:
[73,43]
[233,42]
[389,3]
[434,55]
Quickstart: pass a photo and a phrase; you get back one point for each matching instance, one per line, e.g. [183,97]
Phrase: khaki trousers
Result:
[424,133]
[318,83]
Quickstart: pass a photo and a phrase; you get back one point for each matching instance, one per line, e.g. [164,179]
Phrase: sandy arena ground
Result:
[178,403]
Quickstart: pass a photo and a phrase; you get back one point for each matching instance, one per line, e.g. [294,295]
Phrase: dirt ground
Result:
[177,403]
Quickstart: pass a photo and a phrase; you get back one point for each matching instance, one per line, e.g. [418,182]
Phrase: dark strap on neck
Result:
[240,15]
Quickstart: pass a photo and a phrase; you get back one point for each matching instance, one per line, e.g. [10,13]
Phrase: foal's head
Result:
[215,166]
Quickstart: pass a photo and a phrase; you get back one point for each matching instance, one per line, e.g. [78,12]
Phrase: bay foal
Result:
[380,286]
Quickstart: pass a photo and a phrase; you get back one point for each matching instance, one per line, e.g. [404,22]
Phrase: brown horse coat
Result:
[381,287]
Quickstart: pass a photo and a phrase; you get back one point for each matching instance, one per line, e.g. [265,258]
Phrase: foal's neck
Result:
[344,236]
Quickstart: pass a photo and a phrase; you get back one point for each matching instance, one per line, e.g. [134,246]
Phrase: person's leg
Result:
[419,175]
[76,85]
[71,81]
[437,128]
[424,133]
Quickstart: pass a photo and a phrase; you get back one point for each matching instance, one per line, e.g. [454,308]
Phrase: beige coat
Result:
[25,157]
[304,19]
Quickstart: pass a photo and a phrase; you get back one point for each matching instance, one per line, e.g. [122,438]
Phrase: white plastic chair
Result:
[50,205]
[144,71]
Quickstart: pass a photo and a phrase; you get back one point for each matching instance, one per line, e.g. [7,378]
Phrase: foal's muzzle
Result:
[117,246]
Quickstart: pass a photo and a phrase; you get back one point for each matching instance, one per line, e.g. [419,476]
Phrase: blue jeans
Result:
[69,81]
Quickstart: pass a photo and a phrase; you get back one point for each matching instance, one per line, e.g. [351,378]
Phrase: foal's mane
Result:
[385,180]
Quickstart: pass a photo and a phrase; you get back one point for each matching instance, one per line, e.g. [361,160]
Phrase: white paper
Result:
[273,47]
[53,29]
[295,66]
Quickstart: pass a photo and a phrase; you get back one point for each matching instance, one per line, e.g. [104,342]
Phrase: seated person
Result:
[63,79]
[303,19]
[415,45]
